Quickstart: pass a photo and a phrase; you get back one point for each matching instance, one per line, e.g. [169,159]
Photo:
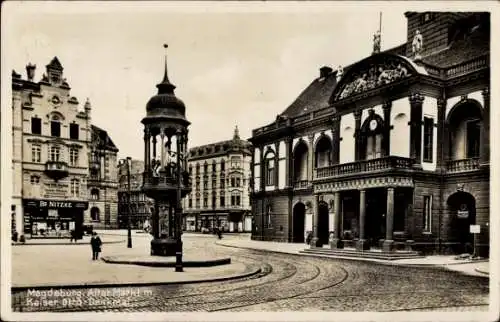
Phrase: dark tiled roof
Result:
[102,139]
[314,97]
[55,63]
[221,147]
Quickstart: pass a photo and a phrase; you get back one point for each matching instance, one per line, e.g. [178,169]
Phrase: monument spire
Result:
[165,86]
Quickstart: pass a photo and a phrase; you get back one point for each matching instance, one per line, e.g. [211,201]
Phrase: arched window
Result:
[94,194]
[323,152]
[95,214]
[464,125]
[197,168]
[300,155]
[372,136]
[269,168]
[222,165]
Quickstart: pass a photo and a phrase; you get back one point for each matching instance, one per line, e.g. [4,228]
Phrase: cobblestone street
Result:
[286,282]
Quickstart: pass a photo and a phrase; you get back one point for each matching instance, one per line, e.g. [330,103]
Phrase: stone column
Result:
[310,160]
[155,223]
[147,157]
[485,131]
[276,165]
[362,243]
[162,149]
[336,140]
[357,136]
[336,242]
[442,140]
[388,242]
[288,170]
[315,242]
[416,102]
[262,170]
[387,106]
[154,146]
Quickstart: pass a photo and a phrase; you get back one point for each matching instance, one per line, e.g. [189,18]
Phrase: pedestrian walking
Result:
[96,243]
[72,236]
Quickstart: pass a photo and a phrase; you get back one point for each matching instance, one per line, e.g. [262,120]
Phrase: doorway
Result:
[323,214]
[462,212]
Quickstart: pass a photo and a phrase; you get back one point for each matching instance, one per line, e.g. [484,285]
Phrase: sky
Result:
[232,67]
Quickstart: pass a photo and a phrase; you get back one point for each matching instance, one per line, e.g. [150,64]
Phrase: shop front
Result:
[53,218]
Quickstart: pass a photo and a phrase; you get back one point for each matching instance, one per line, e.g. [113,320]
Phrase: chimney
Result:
[30,71]
[324,71]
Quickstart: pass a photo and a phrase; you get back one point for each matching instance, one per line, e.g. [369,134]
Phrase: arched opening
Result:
[299,217]
[323,227]
[372,137]
[462,214]
[464,126]
[94,194]
[323,152]
[399,141]
[269,168]
[94,214]
[300,155]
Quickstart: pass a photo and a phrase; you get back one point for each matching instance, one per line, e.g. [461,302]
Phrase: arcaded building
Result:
[389,152]
[53,140]
[220,174]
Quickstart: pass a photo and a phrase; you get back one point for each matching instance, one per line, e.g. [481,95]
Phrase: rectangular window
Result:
[233,183]
[222,201]
[55,128]
[35,179]
[205,202]
[238,200]
[222,166]
[197,202]
[270,173]
[36,125]
[233,200]
[36,153]
[473,134]
[74,130]
[73,156]
[238,182]
[427,217]
[428,138]
[55,152]
[214,184]
[75,187]
[222,185]
[214,202]
[214,167]
[190,204]
[205,185]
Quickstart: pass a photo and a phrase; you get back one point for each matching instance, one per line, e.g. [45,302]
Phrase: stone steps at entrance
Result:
[363,254]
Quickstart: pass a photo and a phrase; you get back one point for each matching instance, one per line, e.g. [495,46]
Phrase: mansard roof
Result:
[101,139]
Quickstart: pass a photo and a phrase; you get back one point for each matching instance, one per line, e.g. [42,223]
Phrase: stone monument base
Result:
[163,246]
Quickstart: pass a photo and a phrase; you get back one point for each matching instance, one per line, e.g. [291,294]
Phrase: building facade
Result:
[102,182]
[220,174]
[389,152]
[52,141]
[141,207]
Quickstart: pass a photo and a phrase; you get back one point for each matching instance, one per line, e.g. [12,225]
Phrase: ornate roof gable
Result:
[374,71]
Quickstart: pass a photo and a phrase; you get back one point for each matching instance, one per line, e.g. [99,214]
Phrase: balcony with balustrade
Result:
[463,165]
[165,181]
[385,164]
[301,184]
[56,169]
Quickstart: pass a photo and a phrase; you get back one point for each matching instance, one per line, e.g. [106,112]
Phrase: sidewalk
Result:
[46,266]
[65,241]
[475,268]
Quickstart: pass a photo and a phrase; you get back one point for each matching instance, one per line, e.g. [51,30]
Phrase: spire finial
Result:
[165,86]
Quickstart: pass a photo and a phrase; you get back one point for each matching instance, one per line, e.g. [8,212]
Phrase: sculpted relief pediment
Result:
[375,71]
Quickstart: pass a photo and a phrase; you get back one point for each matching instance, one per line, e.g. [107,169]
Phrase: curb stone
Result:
[252,272]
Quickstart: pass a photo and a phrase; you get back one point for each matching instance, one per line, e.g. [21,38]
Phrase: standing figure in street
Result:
[96,243]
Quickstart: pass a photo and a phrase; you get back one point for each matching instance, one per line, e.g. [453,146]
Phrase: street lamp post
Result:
[129,232]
